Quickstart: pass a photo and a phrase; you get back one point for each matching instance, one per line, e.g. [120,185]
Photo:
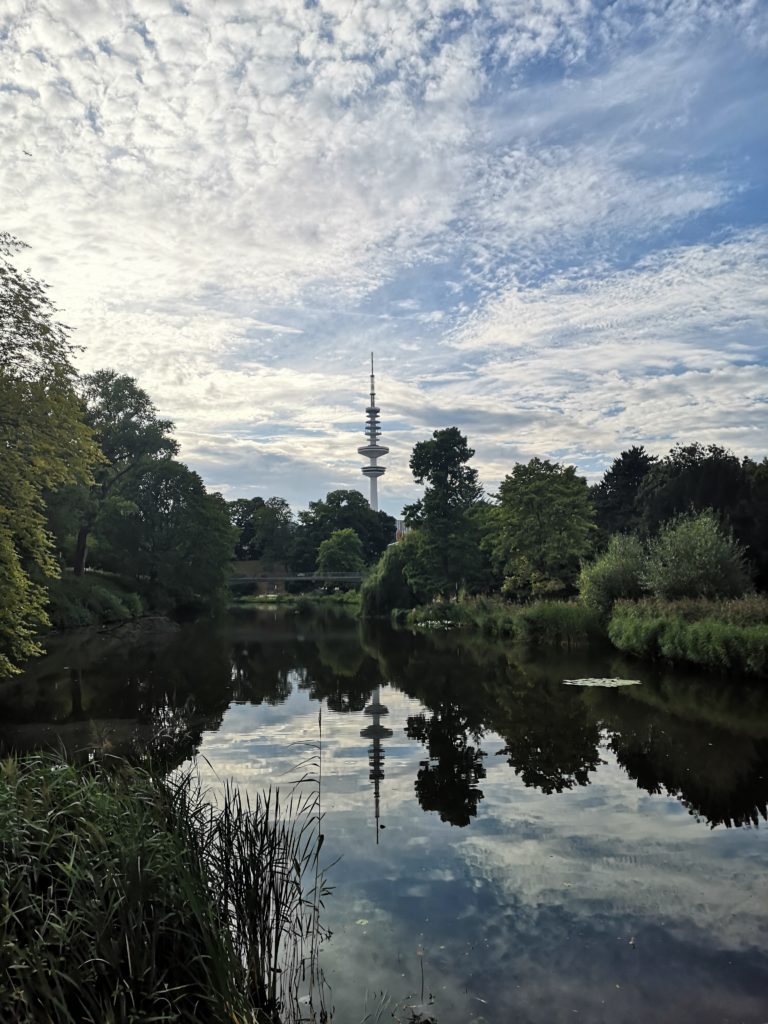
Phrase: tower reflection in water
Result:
[376,732]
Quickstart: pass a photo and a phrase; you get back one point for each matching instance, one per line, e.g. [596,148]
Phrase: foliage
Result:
[692,477]
[93,599]
[44,446]
[123,897]
[386,587]
[340,510]
[544,528]
[342,552]
[445,554]
[130,436]
[161,528]
[693,557]
[265,528]
[553,623]
[615,497]
[451,485]
[716,635]
[615,574]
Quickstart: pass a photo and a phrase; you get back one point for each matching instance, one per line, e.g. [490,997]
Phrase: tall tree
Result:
[615,497]
[544,528]
[446,553]
[161,527]
[342,552]
[44,445]
[692,478]
[130,435]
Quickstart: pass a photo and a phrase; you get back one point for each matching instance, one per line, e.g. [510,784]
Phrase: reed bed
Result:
[127,898]
[541,623]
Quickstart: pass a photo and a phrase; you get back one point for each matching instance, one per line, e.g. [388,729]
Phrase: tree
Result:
[273,528]
[693,556]
[386,586]
[544,528]
[161,527]
[451,485]
[44,446]
[342,552]
[446,552]
[615,497]
[130,435]
[692,478]
[340,510]
[241,512]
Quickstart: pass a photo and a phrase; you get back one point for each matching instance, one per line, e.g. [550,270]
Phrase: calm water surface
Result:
[543,853]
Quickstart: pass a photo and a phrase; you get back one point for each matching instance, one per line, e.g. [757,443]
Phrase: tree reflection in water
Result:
[447,782]
[699,740]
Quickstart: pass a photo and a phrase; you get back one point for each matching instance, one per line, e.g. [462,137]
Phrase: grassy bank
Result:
[127,898]
[349,599]
[94,599]
[558,623]
[724,636]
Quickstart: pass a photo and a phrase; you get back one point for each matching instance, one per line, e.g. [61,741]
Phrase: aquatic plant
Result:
[126,897]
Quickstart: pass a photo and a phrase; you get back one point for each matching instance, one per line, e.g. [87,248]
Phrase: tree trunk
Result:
[81,550]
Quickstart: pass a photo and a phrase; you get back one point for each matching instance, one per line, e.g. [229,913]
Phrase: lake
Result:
[507,848]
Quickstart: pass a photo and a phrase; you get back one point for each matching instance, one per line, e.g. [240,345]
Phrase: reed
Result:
[127,897]
[724,635]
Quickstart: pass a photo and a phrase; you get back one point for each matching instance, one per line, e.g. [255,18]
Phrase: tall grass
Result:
[556,623]
[127,898]
[725,635]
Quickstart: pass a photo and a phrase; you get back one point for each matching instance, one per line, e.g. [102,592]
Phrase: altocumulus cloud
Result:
[548,218]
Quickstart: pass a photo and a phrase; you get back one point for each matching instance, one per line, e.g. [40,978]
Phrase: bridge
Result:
[301,577]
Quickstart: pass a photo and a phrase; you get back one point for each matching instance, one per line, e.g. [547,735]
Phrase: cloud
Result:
[236,205]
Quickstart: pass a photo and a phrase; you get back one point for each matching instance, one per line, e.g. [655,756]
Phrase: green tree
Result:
[615,574]
[161,527]
[342,552]
[445,553]
[692,478]
[693,556]
[615,497]
[340,510]
[386,586]
[44,446]
[544,528]
[130,435]
[241,512]
[273,528]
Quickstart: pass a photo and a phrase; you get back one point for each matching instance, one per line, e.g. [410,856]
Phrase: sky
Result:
[547,218]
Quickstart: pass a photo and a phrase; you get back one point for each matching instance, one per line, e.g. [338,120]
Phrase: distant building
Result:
[372,450]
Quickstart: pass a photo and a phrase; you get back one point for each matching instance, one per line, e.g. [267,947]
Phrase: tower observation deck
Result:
[372,450]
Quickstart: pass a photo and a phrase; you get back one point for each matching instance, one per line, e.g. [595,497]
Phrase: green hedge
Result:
[727,636]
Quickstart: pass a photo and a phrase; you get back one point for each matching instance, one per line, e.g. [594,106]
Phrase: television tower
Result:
[376,732]
[372,450]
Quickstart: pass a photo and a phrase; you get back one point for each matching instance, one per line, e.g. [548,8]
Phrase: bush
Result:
[693,557]
[614,575]
[91,600]
[386,587]
[721,636]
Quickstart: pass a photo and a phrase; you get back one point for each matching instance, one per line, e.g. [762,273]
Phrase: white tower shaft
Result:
[372,450]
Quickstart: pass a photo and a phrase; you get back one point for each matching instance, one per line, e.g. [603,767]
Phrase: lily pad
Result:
[593,681]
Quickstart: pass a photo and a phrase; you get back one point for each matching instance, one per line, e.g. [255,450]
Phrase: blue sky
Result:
[547,218]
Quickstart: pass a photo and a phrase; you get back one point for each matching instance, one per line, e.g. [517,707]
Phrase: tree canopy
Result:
[44,446]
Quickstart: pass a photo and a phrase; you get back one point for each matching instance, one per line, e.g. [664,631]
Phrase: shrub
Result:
[718,635]
[693,557]
[613,575]
[386,587]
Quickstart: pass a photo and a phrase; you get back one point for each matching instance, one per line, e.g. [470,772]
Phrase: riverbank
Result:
[132,897]
[348,600]
[720,636]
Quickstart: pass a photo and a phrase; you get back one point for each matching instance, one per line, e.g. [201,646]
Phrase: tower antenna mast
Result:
[372,450]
